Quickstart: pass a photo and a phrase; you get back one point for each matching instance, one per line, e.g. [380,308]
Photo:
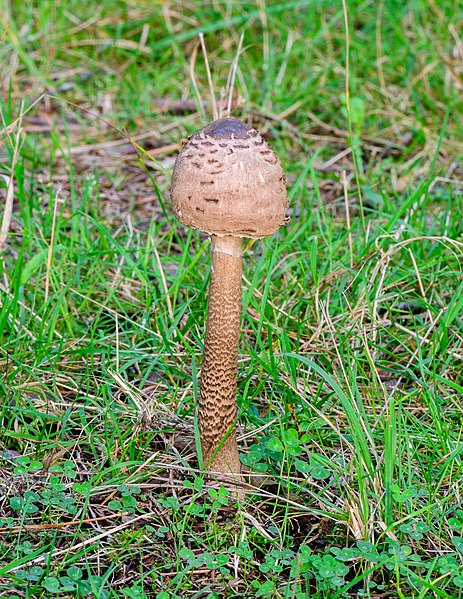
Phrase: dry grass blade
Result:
[88,541]
[56,203]
[39,527]
[234,68]
[7,210]
[194,54]
[9,199]
[215,113]
[7,129]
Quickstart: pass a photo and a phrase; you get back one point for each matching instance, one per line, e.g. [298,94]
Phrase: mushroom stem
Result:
[217,392]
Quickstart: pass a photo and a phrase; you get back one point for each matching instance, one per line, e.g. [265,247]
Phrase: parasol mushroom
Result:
[229,183]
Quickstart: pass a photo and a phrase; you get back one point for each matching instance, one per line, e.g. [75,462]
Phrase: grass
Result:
[350,384]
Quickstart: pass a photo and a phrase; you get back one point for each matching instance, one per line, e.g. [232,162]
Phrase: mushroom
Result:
[229,183]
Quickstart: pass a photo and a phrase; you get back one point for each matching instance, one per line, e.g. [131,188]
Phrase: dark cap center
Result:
[225,129]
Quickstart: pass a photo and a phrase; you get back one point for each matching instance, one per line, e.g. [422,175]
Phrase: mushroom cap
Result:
[228,181]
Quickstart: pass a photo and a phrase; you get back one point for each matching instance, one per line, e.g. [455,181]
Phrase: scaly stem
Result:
[217,392]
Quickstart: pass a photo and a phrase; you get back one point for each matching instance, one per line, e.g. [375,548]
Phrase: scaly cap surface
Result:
[228,181]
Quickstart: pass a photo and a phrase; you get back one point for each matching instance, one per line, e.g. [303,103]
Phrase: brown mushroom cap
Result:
[228,181]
